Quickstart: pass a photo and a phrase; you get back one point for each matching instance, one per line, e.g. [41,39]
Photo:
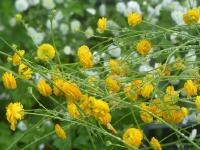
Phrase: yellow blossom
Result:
[14,112]
[190,88]
[147,90]
[191,16]
[60,132]
[133,136]
[117,67]
[197,102]
[155,144]
[170,91]
[134,19]
[87,104]
[99,107]
[85,56]
[9,81]
[72,91]
[133,90]
[184,111]
[143,47]
[174,114]
[145,116]
[112,84]
[72,110]
[102,24]
[44,88]
[46,52]
[106,119]
[16,58]
[25,72]
[57,88]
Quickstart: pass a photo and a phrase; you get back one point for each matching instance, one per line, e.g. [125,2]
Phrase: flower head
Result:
[133,137]
[133,90]
[9,81]
[14,112]
[143,47]
[46,52]
[147,90]
[72,91]
[112,84]
[44,88]
[85,56]
[155,144]
[117,67]
[102,24]
[57,88]
[170,91]
[60,132]
[145,116]
[106,119]
[97,108]
[25,72]
[197,102]
[174,114]
[16,58]
[134,19]
[73,111]
[190,88]
[192,16]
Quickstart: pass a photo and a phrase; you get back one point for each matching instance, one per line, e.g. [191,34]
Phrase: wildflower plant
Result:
[107,103]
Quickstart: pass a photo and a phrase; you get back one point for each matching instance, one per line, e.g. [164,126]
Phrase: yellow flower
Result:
[147,90]
[60,132]
[134,19]
[117,67]
[112,84]
[143,47]
[190,88]
[44,88]
[85,57]
[46,52]
[99,108]
[57,88]
[171,94]
[174,114]
[102,24]
[170,91]
[155,144]
[14,112]
[72,110]
[133,90]
[106,119]
[72,91]
[192,16]
[86,104]
[145,116]
[184,111]
[133,136]
[25,72]
[16,58]
[9,81]
[197,102]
